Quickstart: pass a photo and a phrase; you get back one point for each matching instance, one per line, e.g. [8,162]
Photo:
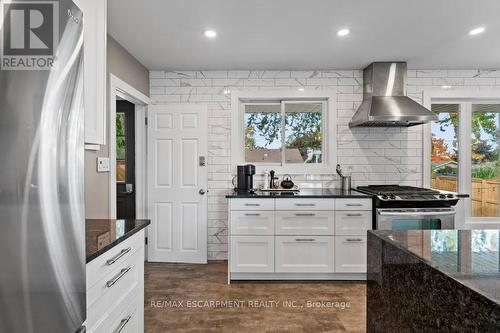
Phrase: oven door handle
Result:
[446,213]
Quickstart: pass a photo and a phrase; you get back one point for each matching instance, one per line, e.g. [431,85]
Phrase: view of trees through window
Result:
[120,147]
[445,153]
[298,128]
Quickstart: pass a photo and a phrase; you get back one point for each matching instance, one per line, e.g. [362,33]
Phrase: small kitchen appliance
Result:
[244,178]
[407,207]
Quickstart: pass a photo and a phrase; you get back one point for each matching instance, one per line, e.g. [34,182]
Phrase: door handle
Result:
[201,191]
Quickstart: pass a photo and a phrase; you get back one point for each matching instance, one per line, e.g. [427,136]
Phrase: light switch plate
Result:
[103,164]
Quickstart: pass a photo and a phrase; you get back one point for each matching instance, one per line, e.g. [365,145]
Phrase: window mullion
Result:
[283,133]
[465,151]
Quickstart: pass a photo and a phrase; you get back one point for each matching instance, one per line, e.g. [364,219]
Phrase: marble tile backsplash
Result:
[376,155]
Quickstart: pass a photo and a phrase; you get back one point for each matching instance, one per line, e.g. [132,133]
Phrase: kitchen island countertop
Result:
[102,235]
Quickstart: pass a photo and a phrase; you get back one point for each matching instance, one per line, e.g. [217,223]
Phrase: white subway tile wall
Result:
[376,155]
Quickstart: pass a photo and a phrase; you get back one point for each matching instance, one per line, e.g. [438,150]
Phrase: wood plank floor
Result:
[177,299]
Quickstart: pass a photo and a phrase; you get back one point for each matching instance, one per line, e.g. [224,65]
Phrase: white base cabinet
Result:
[297,238]
[252,254]
[115,288]
[350,254]
[304,254]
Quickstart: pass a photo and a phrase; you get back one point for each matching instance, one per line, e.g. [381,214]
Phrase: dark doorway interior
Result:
[125,160]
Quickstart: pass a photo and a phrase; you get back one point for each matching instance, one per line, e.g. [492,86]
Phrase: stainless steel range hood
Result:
[385,103]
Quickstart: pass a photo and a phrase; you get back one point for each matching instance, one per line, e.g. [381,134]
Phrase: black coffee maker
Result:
[244,178]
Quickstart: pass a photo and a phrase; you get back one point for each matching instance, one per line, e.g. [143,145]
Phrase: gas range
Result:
[409,196]
[408,207]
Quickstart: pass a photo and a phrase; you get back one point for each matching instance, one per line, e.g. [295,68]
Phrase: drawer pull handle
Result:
[253,205]
[252,214]
[305,205]
[304,239]
[354,205]
[118,256]
[353,215]
[122,325]
[305,214]
[111,282]
[354,239]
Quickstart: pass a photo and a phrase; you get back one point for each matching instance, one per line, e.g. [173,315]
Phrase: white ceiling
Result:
[301,34]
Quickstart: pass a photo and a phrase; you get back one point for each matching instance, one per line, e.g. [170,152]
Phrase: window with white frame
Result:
[290,132]
[465,146]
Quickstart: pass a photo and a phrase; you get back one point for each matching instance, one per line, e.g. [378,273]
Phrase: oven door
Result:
[415,218]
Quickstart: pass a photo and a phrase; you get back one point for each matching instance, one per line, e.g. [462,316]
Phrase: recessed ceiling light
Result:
[445,87]
[477,31]
[210,33]
[226,92]
[343,32]
[300,89]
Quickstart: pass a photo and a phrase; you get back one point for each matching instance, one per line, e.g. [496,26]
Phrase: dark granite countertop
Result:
[102,234]
[304,193]
[470,257]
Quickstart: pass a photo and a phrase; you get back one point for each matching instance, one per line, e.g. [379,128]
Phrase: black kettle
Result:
[287,183]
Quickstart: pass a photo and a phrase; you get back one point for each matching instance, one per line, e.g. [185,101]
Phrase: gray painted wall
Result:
[123,65]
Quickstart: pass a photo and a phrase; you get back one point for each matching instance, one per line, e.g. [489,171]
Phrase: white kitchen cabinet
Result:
[305,254]
[350,254]
[252,204]
[305,204]
[352,222]
[260,222]
[115,288]
[252,254]
[353,204]
[94,37]
[304,223]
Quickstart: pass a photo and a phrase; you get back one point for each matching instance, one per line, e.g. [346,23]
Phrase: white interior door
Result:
[177,183]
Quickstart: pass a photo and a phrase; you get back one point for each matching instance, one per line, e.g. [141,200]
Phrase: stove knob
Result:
[451,196]
[384,197]
[393,197]
[442,196]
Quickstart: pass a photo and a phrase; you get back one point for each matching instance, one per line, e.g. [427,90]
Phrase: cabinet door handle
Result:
[354,205]
[305,214]
[304,239]
[118,276]
[354,239]
[118,256]
[305,205]
[252,214]
[353,215]
[122,325]
[252,205]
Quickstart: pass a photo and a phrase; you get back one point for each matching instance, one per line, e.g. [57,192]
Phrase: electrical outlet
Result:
[103,164]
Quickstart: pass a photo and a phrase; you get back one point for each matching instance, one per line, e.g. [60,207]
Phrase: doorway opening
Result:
[125,160]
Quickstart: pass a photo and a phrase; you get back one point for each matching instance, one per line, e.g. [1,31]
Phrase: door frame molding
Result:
[121,89]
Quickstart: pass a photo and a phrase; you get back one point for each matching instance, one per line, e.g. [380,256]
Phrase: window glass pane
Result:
[121,147]
[263,133]
[444,147]
[485,147]
[303,136]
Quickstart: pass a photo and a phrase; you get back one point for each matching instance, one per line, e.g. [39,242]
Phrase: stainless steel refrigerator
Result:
[42,225]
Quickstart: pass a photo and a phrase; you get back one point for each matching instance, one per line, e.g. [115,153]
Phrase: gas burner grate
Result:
[396,190]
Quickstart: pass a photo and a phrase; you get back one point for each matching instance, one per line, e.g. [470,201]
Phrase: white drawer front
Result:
[350,254]
[252,222]
[305,223]
[305,254]
[252,204]
[107,262]
[252,254]
[110,321]
[109,291]
[353,204]
[305,204]
[352,222]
